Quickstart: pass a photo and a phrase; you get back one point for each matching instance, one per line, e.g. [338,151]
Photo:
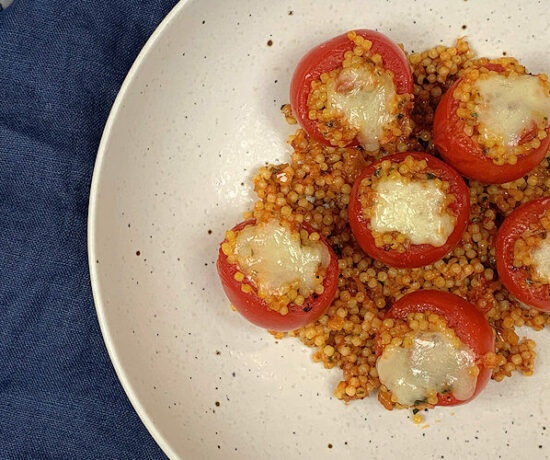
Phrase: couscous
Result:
[313,191]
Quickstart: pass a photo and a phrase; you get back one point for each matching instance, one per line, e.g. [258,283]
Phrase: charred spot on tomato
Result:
[306,309]
[431,176]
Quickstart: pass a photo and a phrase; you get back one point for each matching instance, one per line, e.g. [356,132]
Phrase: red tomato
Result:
[418,254]
[255,309]
[515,280]
[468,323]
[460,151]
[328,56]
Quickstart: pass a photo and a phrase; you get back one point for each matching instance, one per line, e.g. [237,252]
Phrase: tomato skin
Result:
[516,280]
[417,255]
[329,55]
[460,151]
[468,323]
[256,310]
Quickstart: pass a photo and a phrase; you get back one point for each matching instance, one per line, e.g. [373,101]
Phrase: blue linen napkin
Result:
[61,65]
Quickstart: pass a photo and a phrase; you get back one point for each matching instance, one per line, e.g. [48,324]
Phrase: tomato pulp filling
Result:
[358,100]
[505,112]
[405,204]
[282,265]
[423,358]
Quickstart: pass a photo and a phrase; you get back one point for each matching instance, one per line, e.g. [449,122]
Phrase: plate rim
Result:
[91,232]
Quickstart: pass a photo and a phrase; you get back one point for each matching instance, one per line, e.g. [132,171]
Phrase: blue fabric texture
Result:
[61,65]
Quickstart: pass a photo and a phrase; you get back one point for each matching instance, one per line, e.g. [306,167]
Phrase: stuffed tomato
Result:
[492,124]
[354,88]
[431,351]
[523,253]
[409,209]
[278,277]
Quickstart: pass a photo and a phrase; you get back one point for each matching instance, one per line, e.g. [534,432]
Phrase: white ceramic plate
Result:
[197,114]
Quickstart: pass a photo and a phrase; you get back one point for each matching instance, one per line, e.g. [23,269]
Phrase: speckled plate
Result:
[197,114]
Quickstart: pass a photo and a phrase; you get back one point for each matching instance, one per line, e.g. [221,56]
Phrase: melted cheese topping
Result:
[273,257]
[541,259]
[412,208]
[364,97]
[510,107]
[432,363]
